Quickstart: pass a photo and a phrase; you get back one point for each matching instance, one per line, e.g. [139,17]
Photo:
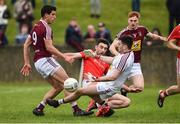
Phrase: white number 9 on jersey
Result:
[34,37]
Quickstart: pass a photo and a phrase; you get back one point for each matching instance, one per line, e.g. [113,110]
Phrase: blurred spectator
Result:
[33,2]
[53,2]
[149,42]
[21,37]
[89,39]
[90,35]
[95,8]
[136,5]
[13,1]
[156,31]
[73,36]
[173,7]
[4,16]
[103,32]
[3,40]
[23,13]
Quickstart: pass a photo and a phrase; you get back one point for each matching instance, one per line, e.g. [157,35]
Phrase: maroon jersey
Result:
[138,35]
[40,30]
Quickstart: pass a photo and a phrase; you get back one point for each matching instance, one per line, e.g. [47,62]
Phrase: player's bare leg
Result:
[118,101]
[138,83]
[56,80]
[172,90]
[136,87]
[61,76]
[91,91]
[53,92]
[175,89]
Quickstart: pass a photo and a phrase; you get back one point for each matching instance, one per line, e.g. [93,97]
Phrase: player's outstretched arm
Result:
[54,51]
[27,67]
[172,44]
[74,55]
[156,37]
[115,74]
[113,47]
[107,59]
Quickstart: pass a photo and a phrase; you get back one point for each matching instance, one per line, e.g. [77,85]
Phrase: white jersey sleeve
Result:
[122,62]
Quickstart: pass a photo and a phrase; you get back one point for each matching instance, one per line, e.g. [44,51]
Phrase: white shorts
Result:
[47,66]
[178,66]
[136,70]
[105,91]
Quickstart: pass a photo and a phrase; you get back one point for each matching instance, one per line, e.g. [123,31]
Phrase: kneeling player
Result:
[107,86]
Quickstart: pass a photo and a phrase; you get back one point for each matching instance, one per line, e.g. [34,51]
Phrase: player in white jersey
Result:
[105,92]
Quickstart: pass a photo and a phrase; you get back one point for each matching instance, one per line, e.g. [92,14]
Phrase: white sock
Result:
[43,103]
[73,103]
[97,104]
[61,101]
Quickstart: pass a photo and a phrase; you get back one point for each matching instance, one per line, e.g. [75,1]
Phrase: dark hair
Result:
[126,39]
[102,40]
[47,9]
[156,29]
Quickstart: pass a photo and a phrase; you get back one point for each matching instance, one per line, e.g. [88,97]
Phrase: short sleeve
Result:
[175,34]
[83,55]
[122,63]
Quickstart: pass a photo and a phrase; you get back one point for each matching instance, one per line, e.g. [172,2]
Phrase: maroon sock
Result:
[40,106]
[76,108]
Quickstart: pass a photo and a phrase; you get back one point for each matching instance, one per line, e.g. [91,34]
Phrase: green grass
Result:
[18,100]
[114,14]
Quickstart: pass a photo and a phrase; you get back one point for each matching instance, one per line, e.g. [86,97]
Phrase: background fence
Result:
[158,65]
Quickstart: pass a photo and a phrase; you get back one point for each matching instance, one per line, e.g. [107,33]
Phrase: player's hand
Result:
[69,59]
[89,53]
[26,69]
[89,77]
[164,39]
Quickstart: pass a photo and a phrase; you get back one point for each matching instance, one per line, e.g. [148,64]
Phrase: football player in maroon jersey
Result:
[138,33]
[40,38]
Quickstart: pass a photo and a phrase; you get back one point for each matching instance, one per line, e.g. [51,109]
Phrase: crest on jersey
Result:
[136,45]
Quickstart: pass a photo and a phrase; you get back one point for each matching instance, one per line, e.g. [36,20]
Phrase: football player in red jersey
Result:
[173,43]
[40,38]
[138,33]
[92,66]
[104,89]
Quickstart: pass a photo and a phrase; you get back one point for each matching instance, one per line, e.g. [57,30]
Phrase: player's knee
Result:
[58,89]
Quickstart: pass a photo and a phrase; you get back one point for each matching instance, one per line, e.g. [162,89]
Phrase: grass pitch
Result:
[18,100]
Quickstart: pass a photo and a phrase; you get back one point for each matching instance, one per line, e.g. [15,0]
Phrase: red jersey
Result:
[175,34]
[138,35]
[40,30]
[94,66]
